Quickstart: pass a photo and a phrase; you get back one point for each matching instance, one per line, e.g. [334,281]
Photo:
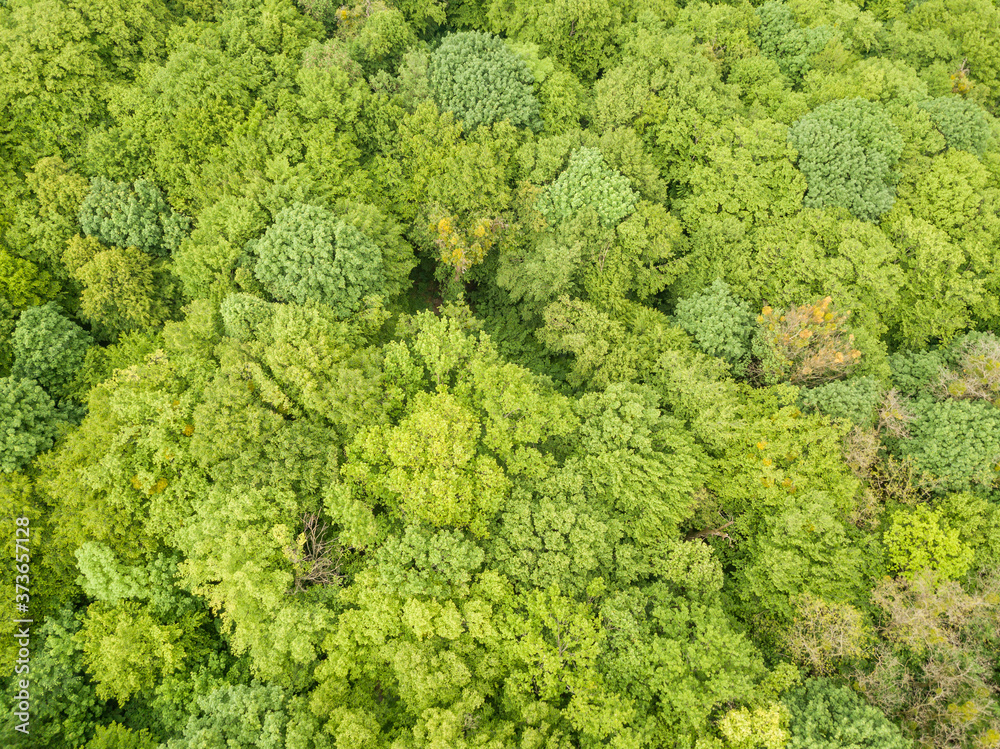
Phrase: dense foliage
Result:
[847,148]
[307,255]
[411,374]
[478,78]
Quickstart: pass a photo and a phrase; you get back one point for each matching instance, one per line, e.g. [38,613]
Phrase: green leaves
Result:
[827,716]
[803,547]
[116,736]
[676,659]
[245,315]
[636,462]
[238,716]
[938,294]
[127,651]
[53,81]
[588,182]
[427,469]
[847,149]
[956,443]
[304,359]
[124,291]
[68,717]
[550,534]
[558,656]
[587,233]
[431,164]
[178,116]
[104,578]
[22,282]
[48,348]
[236,548]
[720,323]
[666,89]
[28,422]
[963,123]
[918,540]
[475,76]
[745,172]
[581,35]
[855,400]
[49,220]
[131,216]
[308,255]
[421,562]
[389,440]
[781,38]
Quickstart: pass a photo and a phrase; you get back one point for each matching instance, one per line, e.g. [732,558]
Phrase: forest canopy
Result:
[411,374]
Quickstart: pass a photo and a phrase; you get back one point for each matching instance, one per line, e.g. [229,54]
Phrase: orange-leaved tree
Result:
[805,345]
[464,243]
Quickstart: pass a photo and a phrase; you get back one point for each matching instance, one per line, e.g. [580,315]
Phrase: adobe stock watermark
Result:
[22,630]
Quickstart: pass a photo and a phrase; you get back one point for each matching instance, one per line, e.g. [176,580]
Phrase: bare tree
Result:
[315,559]
[719,531]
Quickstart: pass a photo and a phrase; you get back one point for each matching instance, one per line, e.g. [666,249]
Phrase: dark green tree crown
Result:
[478,78]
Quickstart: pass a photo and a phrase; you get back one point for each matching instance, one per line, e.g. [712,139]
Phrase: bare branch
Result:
[316,559]
[712,532]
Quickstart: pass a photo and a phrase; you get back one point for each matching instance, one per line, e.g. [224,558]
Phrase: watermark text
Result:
[22,624]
